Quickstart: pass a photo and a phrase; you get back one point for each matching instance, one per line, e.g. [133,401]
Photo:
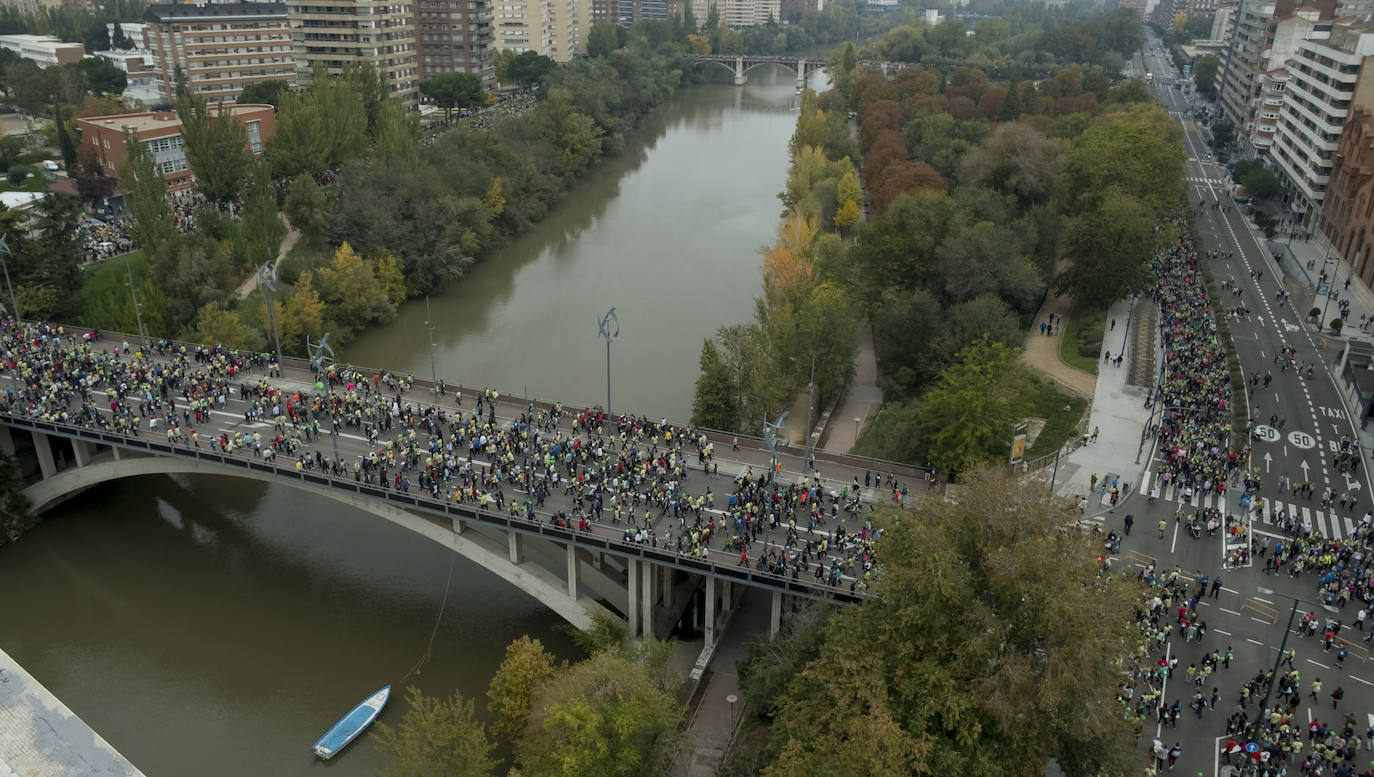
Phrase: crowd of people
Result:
[627,474]
[104,238]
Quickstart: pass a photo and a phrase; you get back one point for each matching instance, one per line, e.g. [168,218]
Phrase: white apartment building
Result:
[219,48]
[1268,108]
[1325,80]
[740,13]
[554,28]
[1267,35]
[44,50]
[340,33]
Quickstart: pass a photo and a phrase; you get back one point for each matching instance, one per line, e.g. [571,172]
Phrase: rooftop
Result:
[160,13]
[39,40]
[160,120]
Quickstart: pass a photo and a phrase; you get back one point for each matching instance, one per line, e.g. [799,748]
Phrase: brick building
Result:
[104,135]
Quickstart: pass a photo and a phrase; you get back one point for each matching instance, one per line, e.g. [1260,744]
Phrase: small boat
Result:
[351,725]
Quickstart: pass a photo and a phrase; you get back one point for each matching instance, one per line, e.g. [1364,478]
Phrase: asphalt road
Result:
[1249,622]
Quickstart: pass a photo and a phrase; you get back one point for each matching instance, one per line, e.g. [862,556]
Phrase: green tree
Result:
[436,738]
[1205,70]
[525,670]
[848,215]
[263,93]
[145,192]
[64,138]
[454,90]
[995,646]
[1109,250]
[1259,181]
[99,76]
[529,68]
[260,231]
[193,270]
[603,717]
[966,418]
[1136,151]
[16,515]
[305,206]
[715,404]
[216,147]
[222,327]
[603,39]
[396,136]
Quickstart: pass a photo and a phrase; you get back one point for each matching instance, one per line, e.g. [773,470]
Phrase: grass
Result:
[34,183]
[1081,345]
[1062,413]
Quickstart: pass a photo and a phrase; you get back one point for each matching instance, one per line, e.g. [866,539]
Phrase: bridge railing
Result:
[746,575]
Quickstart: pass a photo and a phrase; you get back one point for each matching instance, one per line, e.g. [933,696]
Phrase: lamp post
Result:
[810,407]
[267,278]
[4,255]
[320,352]
[604,326]
[433,370]
[133,292]
[770,436]
[857,421]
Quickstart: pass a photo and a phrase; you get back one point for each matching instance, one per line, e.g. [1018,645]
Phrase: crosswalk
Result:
[1204,181]
[1308,514]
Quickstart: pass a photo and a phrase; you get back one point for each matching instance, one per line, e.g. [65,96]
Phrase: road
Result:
[1314,423]
[410,420]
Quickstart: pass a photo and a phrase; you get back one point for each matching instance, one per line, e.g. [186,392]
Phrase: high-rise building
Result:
[1266,35]
[218,48]
[1326,79]
[740,13]
[456,36]
[554,28]
[340,33]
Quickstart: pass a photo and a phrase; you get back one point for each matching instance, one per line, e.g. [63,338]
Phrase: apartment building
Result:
[1324,83]
[740,13]
[104,135]
[340,33]
[219,48]
[44,50]
[1266,36]
[1347,215]
[554,28]
[456,36]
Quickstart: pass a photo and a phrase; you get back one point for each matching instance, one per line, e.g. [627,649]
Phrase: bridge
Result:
[425,457]
[741,64]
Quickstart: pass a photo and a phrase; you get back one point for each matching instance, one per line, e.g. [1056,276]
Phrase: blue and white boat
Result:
[351,725]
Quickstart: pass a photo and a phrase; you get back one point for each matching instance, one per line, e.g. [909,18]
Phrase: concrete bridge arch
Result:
[568,601]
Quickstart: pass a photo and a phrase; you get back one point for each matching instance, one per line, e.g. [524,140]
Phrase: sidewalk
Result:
[1118,414]
[1042,351]
[250,284]
[862,402]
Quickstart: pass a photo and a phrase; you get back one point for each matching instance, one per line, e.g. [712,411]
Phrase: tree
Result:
[16,515]
[1136,151]
[1109,250]
[94,187]
[436,738]
[995,646]
[396,135]
[715,405]
[454,90]
[966,418]
[529,68]
[305,206]
[263,93]
[216,147]
[606,716]
[1257,178]
[100,76]
[64,138]
[604,39]
[260,231]
[848,215]
[1205,70]
[193,270]
[223,327]
[525,670]
[350,288]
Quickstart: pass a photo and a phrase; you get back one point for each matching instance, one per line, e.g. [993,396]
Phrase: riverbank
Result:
[41,737]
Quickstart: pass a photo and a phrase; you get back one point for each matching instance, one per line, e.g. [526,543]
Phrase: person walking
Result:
[1316,688]
[1174,753]
[1162,526]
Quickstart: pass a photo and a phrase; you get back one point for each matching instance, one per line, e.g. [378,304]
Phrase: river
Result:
[214,627]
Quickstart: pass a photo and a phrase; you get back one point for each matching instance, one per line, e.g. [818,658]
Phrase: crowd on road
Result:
[626,474]
[1195,391]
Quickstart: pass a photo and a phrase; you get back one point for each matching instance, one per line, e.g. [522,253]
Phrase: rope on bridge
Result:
[429,645]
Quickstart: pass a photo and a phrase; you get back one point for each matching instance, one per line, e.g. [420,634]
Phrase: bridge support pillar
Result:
[740,77]
[517,548]
[81,450]
[801,73]
[709,623]
[6,441]
[632,606]
[43,448]
[647,576]
[572,572]
[775,615]
[458,526]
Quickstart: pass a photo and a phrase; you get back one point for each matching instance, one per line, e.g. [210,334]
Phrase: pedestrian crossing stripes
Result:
[1327,522]
[1204,181]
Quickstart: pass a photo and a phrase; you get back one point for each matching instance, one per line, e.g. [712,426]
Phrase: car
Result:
[49,164]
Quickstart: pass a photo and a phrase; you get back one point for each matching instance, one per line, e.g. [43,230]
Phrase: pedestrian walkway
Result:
[1275,513]
[250,284]
[861,403]
[41,737]
[1115,422]
[1042,351]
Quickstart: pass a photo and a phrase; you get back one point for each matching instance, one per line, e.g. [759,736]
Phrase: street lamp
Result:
[267,278]
[1278,659]
[133,292]
[433,371]
[320,352]
[770,436]
[857,421]
[604,326]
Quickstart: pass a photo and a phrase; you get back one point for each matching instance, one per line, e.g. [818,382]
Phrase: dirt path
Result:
[251,283]
[1042,351]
